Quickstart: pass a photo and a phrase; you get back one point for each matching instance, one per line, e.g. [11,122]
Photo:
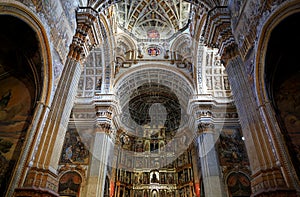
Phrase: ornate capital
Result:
[103,127]
[218,33]
[205,127]
[104,112]
[87,34]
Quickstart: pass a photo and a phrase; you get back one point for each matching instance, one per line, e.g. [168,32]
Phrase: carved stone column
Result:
[42,164]
[267,168]
[211,174]
[101,152]
[269,177]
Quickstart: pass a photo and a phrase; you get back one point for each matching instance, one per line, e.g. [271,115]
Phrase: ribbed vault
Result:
[209,4]
[152,19]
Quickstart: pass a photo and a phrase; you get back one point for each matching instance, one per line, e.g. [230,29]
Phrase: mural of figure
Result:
[69,153]
[99,83]
[154,179]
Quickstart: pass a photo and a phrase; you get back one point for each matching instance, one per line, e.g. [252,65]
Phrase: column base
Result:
[34,191]
[271,183]
[40,183]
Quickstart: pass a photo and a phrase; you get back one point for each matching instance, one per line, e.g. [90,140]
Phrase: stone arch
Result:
[125,50]
[171,77]
[99,5]
[182,52]
[105,22]
[143,90]
[238,184]
[70,183]
[18,10]
[263,89]
[36,58]
[107,48]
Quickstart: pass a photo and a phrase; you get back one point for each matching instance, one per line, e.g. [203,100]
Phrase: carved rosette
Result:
[87,34]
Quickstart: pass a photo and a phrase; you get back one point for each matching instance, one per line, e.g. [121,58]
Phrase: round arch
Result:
[177,81]
[18,10]
[264,100]
[281,13]
[70,183]
[43,81]
[152,90]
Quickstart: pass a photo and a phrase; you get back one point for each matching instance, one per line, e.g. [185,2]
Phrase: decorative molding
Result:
[87,34]
[206,127]
[218,33]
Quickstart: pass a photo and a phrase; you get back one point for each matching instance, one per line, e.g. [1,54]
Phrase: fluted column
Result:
[211,174]
[42,164]
[101,152]
[267,168]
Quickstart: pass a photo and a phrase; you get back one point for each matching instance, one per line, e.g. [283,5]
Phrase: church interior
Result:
[149,98]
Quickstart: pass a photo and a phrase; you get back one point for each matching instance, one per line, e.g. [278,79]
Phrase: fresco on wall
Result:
[74,150]
[288,101]
[232,152]
[15,107]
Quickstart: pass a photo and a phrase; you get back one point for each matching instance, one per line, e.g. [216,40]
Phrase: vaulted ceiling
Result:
[152,19]
[209,4]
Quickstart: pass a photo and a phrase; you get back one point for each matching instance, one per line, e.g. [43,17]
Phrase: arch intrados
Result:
[122,82]
[275,19]
[18,10]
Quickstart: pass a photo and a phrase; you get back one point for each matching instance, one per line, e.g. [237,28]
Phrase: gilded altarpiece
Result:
[150,167]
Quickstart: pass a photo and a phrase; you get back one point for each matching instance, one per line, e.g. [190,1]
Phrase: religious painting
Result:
[15,109]
[74,150]
[69,184]
[232,149]
[287,99]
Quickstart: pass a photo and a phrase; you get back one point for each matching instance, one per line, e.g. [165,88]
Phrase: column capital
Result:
[218,33]
[86,35]
[103,127]
[206,127]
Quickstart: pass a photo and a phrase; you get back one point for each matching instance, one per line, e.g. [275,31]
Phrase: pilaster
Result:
[267,168]
[211,174]
[101,150]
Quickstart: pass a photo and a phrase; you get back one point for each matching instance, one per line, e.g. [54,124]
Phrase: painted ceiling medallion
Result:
[153,51]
